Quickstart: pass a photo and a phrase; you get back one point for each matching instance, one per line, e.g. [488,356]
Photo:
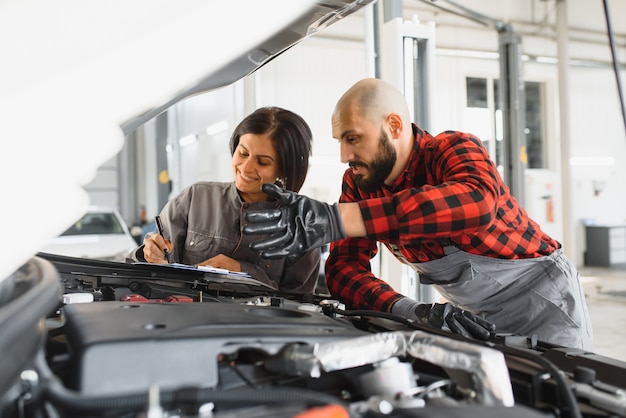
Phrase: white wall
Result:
[598,143]
[309,80]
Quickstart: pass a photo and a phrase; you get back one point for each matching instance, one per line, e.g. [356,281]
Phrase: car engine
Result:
[124,340]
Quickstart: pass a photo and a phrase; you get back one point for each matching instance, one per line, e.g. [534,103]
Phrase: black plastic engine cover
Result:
[120,347]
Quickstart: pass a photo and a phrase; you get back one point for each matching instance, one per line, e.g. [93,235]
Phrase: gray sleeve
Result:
[258,273]
[302,274]
[135,255]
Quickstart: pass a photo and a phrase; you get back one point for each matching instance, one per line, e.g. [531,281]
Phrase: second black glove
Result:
[459,321]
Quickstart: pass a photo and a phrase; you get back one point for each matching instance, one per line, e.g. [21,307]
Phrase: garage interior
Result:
[573,131]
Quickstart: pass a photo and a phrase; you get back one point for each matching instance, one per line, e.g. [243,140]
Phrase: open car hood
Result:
[106,67]
[312,16]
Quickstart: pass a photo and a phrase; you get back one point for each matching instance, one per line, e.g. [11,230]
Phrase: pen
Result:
[160,228]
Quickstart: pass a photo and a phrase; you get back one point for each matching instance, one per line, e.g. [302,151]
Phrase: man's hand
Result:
[300,225]
[459,321]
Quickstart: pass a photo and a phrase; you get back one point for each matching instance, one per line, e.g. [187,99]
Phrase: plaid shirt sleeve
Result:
[348,271]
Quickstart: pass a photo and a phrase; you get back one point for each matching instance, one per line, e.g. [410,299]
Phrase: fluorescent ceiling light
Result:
[216,128]
[187,140]
[592,161]
[467,53]
[547,60]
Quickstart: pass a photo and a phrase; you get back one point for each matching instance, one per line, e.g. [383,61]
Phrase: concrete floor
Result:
[607,308]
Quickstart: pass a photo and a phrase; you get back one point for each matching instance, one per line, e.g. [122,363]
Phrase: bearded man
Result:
[440,206]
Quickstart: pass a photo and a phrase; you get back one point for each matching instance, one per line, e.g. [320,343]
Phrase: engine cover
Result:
[125,347]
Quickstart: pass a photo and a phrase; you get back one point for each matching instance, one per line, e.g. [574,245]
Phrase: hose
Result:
[194,397]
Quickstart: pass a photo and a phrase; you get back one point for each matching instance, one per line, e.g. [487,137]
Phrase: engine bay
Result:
[156,343]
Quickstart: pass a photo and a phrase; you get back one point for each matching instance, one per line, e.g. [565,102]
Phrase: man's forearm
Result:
[352,219]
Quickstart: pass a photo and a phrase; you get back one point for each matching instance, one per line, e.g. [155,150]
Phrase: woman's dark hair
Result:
[292,139]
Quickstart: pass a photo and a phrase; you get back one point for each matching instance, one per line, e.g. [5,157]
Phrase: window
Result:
[95,223]
[484,116]
[535,143]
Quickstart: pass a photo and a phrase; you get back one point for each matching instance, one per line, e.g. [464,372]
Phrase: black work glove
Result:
[458,320]
[447,317]
[300,225]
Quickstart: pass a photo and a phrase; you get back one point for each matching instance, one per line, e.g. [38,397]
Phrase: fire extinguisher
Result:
[550,209]
[142,216]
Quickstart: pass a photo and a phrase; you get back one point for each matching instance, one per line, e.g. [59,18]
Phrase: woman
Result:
[202,225]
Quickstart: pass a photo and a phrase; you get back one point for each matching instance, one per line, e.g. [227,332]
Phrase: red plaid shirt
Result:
[451,192]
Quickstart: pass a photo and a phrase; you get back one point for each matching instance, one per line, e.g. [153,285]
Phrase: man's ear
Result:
[395,125]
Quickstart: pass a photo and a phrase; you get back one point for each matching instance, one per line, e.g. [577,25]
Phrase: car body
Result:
[101,233]
[87,338]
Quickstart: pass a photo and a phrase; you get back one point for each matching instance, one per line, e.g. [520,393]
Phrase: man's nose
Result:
[345,152]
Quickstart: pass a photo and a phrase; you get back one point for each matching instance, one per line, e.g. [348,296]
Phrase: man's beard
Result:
[380,167]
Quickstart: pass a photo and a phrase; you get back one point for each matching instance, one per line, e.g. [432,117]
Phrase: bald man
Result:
[440,206]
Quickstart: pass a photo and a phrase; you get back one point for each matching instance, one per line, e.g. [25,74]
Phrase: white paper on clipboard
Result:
[206,269]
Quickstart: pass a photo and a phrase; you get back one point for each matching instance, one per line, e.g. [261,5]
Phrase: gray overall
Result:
[541,296]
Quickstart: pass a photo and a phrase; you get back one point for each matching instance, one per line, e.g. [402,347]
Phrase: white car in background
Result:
[100,234]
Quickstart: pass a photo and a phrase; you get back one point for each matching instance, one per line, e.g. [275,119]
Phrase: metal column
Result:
[406,60]
[127,178]
[513,105]
[164,185]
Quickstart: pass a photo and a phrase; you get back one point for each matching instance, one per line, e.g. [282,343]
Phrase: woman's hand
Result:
[154,246]
[222,261]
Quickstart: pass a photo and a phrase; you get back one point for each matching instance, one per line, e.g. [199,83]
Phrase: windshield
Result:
[95,223]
